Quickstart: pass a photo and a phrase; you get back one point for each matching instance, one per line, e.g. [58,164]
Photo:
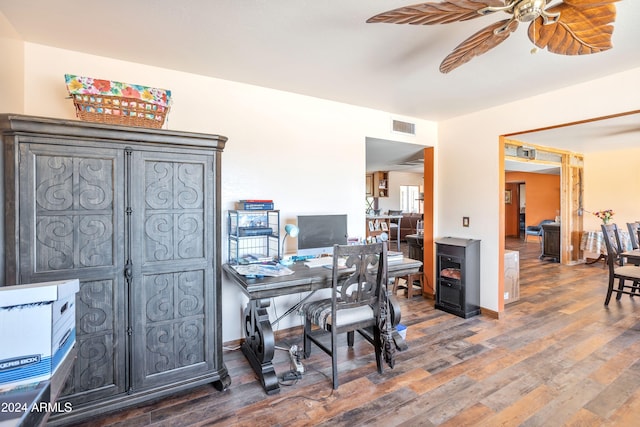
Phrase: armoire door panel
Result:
[174,236]
[99,368]
[174,320]
[69,212]
[175,210]
[172,277]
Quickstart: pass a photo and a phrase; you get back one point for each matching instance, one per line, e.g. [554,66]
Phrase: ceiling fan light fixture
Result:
[528,10]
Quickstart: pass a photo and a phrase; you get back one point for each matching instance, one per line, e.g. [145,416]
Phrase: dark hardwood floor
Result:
[558,357]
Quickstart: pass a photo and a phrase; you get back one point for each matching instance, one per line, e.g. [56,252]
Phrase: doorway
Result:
[385,155]
[522,206]
[515,209]
[512,209]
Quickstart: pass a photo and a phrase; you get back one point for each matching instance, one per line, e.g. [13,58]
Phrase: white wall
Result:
[306,154]
[396,179]
[467,158]
[611,180]
[12,70]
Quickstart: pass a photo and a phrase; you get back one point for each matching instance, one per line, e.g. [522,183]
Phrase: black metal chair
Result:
[358,303]
[536,230]
[625,274]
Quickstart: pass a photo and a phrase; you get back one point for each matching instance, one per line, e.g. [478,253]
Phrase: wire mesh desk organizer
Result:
[253,236]
[254,245]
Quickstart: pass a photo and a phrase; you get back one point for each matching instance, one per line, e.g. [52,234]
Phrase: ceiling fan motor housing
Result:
[528,10]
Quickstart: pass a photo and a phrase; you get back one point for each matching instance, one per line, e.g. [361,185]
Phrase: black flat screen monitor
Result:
[318,233]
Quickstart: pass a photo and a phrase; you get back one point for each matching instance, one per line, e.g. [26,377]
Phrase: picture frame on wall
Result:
[507,197]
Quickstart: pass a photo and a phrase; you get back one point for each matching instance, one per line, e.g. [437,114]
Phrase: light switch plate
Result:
[465,221]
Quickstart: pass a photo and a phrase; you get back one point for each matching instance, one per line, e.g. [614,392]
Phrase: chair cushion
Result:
[319,312]
[632,271]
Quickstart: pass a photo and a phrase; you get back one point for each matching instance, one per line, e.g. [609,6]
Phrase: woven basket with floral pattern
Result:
[106,101]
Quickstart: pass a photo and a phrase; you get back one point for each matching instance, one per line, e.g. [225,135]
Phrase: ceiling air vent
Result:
[404,127]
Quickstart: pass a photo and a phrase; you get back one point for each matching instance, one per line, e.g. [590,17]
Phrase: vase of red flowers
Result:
[605,215]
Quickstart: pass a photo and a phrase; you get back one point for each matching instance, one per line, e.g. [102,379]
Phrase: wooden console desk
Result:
[259,344]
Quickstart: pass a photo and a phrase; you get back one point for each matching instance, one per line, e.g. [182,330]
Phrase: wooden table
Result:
[259,344]
[593,241]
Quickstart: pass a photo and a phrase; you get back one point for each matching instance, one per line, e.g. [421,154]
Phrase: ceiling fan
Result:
[569,27]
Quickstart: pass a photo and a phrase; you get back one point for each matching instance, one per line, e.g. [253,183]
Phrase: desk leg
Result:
[259,344]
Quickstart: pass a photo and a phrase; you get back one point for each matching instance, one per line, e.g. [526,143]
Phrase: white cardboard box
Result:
[37,330]
[511,276]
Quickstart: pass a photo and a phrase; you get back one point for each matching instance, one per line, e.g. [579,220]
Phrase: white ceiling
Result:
[517,166]
[394,156]
[606,134]
[321,48]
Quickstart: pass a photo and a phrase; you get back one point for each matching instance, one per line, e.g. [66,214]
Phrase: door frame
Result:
[571,196]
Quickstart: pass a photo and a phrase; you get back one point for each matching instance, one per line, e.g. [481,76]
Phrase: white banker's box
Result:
[37,330]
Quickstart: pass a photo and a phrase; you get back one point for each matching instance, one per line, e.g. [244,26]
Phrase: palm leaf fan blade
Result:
[479,43]
[588,3]
[435,13]
[583,28]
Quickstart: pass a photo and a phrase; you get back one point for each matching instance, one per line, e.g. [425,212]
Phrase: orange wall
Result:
[542,198]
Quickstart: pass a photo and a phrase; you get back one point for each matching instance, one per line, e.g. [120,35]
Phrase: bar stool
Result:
[415,242]
[413,282]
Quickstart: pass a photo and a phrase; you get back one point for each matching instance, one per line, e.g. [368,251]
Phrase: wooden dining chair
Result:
[634,232]
[355,303]
[628,276]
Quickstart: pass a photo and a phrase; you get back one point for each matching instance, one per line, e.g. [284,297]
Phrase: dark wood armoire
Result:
[134,214]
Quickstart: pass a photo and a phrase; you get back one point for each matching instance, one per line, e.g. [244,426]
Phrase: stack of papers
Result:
[262,270]
[393,256]
[320,262]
